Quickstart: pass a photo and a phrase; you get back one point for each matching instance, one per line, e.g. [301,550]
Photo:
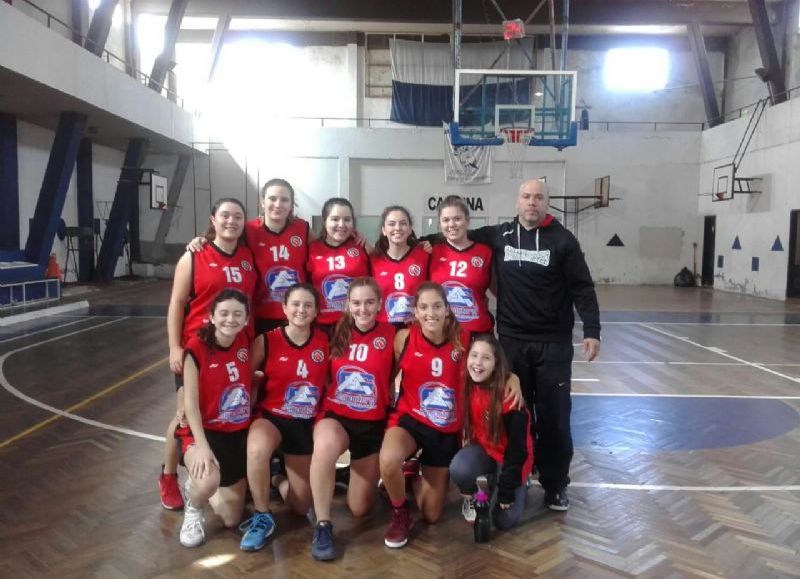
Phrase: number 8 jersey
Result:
[432,386]
[295,374]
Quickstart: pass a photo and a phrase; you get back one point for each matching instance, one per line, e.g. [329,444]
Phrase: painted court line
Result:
[684,363]
[654,395]
[48,329]
[36,314]
[683,488]
[721,352]
[68,413]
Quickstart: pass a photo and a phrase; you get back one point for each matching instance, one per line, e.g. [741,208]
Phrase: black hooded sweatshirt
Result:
[541,274]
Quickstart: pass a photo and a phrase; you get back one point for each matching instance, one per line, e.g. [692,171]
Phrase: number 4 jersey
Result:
[359,386]
[295,374]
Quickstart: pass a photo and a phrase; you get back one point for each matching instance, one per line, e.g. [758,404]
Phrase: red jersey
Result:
[213,270]
[280,259]
[480,400]
[295,374]
[360,378]
[432,386]
[465,275]
[224,383]
[331,270]
[399,280]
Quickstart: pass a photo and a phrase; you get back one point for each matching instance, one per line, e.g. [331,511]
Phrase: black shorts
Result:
[229,448]
[297,434]
[366,436]
[264,325]
[438,448]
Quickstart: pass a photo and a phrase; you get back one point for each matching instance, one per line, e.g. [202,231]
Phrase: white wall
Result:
[756,219]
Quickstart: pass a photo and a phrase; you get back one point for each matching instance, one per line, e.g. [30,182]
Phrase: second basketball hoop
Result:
[516,141]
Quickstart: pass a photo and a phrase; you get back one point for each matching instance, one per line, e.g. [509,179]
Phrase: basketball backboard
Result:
[722,183]
[489,100]
[602,189]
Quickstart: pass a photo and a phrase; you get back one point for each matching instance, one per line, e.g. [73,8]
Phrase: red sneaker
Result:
[399,529]
[171,498]
[411,473]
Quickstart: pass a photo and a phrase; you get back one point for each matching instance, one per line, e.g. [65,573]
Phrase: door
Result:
[793,275]
[709,235]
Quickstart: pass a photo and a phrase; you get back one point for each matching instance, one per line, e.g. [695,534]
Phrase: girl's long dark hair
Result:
[206,333]
[452,329]
[211,234]
[340,339]
[382,245]
[496,386]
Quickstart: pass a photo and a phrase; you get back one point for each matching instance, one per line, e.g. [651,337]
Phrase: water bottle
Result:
[483,519]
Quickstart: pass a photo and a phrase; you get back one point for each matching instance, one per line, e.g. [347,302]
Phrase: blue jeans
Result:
[471,462]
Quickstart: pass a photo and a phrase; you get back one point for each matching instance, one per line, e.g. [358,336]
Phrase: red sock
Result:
[398,504]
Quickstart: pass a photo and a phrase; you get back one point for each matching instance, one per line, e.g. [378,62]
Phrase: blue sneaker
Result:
[322,545]
[257,530]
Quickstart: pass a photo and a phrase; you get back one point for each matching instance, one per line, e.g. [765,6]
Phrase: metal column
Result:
[125,200]
[704,73]
[100,27]
[165,61]
[9,184]
[773,74]
[53,193]
[83,179]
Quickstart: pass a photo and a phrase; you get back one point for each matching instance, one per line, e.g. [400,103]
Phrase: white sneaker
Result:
[192,532]
[468,510]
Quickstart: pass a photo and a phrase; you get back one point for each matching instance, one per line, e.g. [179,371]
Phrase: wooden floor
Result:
[687,460]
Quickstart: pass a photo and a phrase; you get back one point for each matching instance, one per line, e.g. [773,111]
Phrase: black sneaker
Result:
[556,500]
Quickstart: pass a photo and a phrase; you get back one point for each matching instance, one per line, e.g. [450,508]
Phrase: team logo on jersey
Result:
[399,307]
[353,252]
[461,300]
[414,270]
[318,356]
[234,405]
[455,355]
[379,343]
[296,241]
[438,403]
[278,280]
[477,261]
[356,389]
[300,400]
[334,290]
[246,265]
[213,264]
[242,354]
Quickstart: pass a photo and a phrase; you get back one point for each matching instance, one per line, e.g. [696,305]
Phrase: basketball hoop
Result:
[516,141]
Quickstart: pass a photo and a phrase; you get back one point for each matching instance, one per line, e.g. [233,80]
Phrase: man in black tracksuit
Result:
[541,274]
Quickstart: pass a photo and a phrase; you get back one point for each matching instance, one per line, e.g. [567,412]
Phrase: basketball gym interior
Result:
[668,134]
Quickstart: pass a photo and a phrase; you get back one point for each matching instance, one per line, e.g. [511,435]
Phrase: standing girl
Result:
[295,364]
[217,377]
[463,267]
[279,242]
[499,443]
[354,410]
[334,260]
[399,265]
[221,263]
[428,414]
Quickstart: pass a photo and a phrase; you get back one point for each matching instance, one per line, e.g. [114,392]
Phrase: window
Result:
[636,69]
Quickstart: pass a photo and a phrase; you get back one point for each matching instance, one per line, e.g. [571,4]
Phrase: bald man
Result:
[541,275]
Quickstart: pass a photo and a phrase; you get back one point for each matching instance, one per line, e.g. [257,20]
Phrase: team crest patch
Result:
[455,355]
[243,354]
[414,270]
[399,306]
[356,389]
[353,252]
[300,400]
[318,356]
[334,292]
[246,265]
[296,241]
[379,343]
[279,280]
[461,300]
[438,403]
[234,405]
[477,261]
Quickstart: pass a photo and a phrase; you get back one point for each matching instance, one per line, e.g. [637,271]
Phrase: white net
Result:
[516,141]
